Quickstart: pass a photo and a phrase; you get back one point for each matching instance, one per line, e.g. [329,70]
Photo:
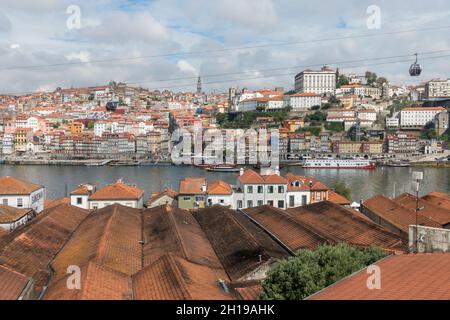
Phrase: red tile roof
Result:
[339,224]
[337,198]
[395,214]
[219,187]
[12,284]
[13,186]
[427,209]
[192,186]
[12,214]
[250,177]
[403,277]
[439,199]
[117,191]
[167,192]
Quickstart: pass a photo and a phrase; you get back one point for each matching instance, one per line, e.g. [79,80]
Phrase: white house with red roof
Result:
[21,194]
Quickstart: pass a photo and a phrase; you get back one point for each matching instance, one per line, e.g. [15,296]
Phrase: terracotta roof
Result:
[240,245]
[109,237]
[174,278]
[248,291]
[337,198]
[396,214]
[12,214]
[427,209]
[97,283]
[403,277]
[13,186]
[30,249]
[275,178]
[339,224]
[219,187]
[171,230]
[81,190]
[12,284]
[439,199]
[117,191]
[167,192]
[290,231]
[250,177]
[192,186]
[54,203]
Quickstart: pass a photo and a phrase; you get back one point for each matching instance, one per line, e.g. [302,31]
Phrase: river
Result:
[363,183]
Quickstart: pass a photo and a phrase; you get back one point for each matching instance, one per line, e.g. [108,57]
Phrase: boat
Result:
[223,168]
[398,164]
[327,163]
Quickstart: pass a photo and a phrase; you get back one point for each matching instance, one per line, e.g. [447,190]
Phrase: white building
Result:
[418,117]
[437,89]
[302,101]
[219,192]
[12,218]
[87,197]
[318,82]
[21,194]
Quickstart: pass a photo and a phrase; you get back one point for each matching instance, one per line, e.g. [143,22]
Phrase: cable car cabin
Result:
[415,70]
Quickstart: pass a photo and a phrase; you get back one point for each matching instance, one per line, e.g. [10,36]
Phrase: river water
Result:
[364,184]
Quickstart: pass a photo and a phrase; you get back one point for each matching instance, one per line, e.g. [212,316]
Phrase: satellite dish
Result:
[415,70]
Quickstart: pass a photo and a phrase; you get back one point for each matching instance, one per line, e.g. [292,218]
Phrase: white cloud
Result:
[186,67]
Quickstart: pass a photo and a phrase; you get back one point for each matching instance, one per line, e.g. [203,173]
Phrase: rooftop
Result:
[12,284]
[14,186]
[404,277]
[192,186]
[12,214]
[117,191]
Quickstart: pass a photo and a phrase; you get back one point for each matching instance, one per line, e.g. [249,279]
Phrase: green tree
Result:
[310,271]
[371,77]
[342,189]
[342,81]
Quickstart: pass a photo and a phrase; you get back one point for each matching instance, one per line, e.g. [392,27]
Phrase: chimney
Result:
[241,171]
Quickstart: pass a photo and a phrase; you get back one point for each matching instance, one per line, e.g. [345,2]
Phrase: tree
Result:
[380,81]
[371,77]
[342,81]
[342,189]
[310,271]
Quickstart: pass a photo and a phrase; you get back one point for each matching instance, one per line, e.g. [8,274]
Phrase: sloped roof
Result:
[250,177]
[337,198]
[12,214]
[109,237]
[439,199]
[396,214]
[239,244]
[286,228]
[29,249]
[219,187]
[427,209]
[339,224]
[192,186]
[403,277]
[117,191]
[14,186]
[167,192]
[182,279]
[12,284]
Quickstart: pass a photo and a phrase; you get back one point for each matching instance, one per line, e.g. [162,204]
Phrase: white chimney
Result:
[241,171]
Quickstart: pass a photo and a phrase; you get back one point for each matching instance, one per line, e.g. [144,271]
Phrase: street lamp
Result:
[417,177]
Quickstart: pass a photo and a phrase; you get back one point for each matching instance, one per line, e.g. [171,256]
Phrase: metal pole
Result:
[417,216]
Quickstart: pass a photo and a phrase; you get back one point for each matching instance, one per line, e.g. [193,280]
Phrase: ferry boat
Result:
[326,163]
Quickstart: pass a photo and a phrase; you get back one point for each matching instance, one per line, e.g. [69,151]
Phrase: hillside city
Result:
[327,114]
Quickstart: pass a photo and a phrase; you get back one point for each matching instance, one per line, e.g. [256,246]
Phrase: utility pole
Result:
[417,176]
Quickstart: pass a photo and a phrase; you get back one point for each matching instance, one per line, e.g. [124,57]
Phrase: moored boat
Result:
[327,163]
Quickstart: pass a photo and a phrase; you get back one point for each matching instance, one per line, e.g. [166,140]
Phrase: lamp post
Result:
[418,177]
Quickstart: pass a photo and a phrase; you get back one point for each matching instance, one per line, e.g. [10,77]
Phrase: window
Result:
[280,204]
[5,202]
[304,200]
[239,204]
[260,203]
[260,189]
[318,196]
[249,204]
[199,199]
[291,201]
[270,189]
[280,189]
[95,206]
[221,201]
[79,200]
[19,202]
[270,203]
[250,189]
[186,198]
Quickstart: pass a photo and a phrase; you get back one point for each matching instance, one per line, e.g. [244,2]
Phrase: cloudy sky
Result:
[245,43]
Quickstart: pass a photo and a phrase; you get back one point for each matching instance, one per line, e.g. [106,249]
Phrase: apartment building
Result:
[322,82]
[401,143]
[302,101]
[416,118]
[437,89]
[358,147]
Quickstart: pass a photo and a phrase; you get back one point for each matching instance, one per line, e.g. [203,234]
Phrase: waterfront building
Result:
[21,194]
[401,143]
[221,193]
[167,197]
[416,118]
[192,193]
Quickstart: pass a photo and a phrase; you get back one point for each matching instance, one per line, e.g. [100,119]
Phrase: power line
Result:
[187,53]
[277,69]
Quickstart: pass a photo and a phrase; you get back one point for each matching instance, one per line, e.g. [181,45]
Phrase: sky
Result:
[154,43]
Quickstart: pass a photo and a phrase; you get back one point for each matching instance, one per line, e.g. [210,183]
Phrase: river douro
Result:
[60,180]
